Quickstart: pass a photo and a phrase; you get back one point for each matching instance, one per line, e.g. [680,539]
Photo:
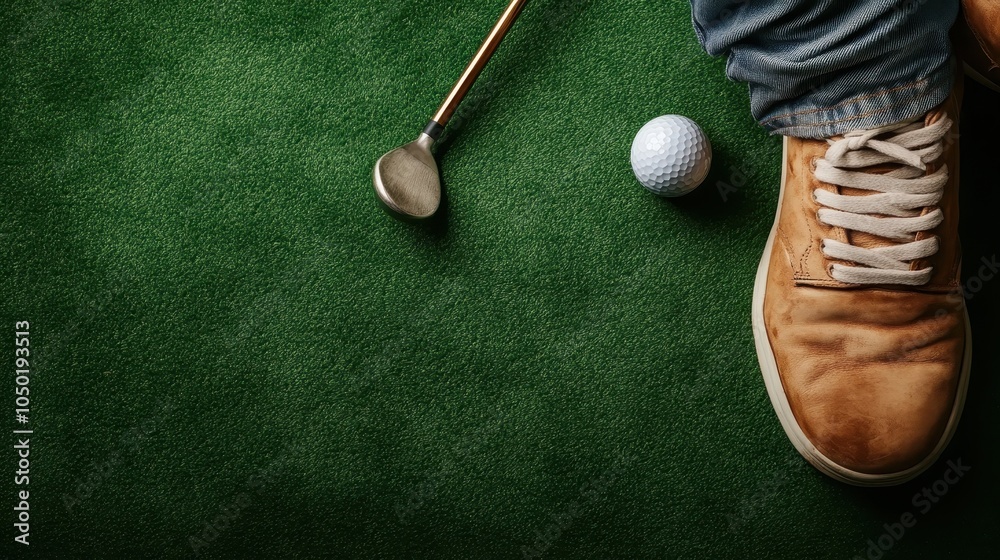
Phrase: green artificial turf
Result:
[225,329]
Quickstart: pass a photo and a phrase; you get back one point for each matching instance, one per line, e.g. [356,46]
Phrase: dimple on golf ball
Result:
[671,155]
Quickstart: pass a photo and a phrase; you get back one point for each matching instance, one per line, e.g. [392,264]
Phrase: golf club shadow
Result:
[436,226]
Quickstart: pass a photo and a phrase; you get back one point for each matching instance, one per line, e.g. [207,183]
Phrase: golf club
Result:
[406,179]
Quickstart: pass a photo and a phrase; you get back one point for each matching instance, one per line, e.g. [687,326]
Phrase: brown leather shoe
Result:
[859,321]
[977,40]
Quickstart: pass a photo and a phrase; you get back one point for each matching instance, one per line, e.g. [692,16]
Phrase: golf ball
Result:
[671,155]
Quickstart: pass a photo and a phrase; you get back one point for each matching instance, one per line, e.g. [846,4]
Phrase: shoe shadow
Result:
[979,199]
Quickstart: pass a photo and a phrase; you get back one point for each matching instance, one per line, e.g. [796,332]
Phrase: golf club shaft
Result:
[472,71]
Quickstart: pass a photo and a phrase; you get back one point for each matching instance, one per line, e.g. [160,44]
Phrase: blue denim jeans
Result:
[824,67]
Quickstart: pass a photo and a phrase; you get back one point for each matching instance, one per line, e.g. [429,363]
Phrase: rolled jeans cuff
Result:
[889,105]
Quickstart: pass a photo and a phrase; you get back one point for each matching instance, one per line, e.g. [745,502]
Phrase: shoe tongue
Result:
[860,238]
[867,240]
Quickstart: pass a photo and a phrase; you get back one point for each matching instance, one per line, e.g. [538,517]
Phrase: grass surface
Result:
[225,329]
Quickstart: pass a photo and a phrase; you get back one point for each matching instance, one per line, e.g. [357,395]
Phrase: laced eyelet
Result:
[852,162]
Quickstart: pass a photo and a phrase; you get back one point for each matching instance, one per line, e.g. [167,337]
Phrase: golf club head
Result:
[407,182]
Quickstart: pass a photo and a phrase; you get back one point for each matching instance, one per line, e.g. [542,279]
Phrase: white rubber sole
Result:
[779,400]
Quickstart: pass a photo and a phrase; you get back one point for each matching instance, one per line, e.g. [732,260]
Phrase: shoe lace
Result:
[903,203]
